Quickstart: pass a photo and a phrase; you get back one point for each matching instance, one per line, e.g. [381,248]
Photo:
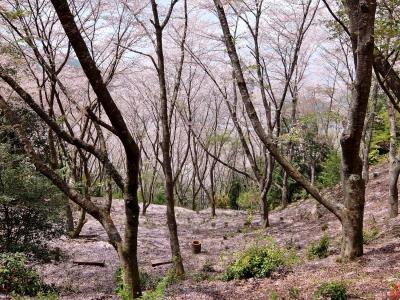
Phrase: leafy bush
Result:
[222,200]
[207,267]
[159,292]
[294,293]
[160,198]
[260,261]
[370,235]
[331,170]
[331,290]
[319,249]
[248,200]
[19,279]
[30,206]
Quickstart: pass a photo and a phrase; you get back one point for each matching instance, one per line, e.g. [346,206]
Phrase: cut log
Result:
[90,263]
[156,263]
[87,236]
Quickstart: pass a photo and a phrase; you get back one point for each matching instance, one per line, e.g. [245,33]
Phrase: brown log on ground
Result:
[156,263]
[89,263]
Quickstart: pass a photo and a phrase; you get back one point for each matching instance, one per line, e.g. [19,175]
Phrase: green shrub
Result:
[370,235]
[222,200]
[30,206]
[207,267]
[248,200]
[153,287]
[200,276]
[147,282]
[159,292]
[294,293]
[319,249]
[331,290]
[160,198]
[331,169]
[259,261]
[273,296]
[18,279]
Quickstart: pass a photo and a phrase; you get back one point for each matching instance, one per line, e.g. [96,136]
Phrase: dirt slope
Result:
[368,278]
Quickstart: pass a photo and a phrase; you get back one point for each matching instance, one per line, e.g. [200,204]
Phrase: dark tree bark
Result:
[361,19]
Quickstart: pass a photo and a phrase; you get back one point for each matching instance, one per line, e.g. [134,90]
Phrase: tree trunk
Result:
[394,164]
[69,217]
[78,228]
[312,171]
[128,251]
[285,192]
[361,20]
[368,134]
[393,201]
[212,192]
[352,222]
[265,209]
[166,140]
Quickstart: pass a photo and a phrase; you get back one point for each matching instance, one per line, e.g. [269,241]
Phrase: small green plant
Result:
[207,267]
[260,261]
[273,296]
[294,293]
[319,249]
[249,219]
[147,282]
[331,290]
[200,276]
[18,279]
[370,235]
[159,292]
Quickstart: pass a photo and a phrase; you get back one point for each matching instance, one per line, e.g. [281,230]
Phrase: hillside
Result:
[367,278]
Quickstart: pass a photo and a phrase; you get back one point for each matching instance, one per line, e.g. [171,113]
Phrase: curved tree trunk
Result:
[76,231]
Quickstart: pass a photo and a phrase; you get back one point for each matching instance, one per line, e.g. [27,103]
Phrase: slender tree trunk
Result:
[109,194]
[69,216]
[166,141]
[78,228]
[312,171]
[394,165]
[265,208]
[212,192]
[368,134]
[285,192]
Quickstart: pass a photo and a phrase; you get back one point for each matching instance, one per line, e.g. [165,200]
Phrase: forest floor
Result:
[368,277]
